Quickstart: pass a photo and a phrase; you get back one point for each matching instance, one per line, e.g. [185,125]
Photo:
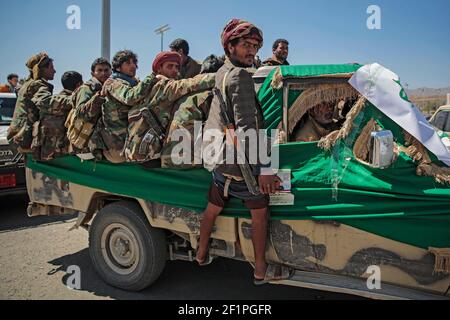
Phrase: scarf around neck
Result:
[119,75]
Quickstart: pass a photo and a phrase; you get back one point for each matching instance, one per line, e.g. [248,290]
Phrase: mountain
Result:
[428,92]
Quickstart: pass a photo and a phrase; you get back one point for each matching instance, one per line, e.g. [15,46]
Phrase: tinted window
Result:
[7,109]
[447,124]
[440,120]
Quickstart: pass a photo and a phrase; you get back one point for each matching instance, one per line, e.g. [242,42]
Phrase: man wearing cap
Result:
[168,89]
[189,67]
[241,41]
[163,95]
[26,113]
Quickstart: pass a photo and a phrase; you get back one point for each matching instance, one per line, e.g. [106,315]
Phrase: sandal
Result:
[274,273]
[207,260]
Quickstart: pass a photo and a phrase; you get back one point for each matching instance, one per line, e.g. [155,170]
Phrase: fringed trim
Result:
[425,168]
[277,80]
[442,259]
[415,149]
[330,140]
[361,149]
[440,174]
[325,93]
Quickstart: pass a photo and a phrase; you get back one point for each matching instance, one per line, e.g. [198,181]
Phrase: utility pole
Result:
[160,31]
[106,29]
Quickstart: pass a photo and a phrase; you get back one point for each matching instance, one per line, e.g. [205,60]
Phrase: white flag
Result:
[383,89]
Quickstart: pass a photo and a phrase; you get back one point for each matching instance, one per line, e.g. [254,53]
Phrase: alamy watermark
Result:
[73,21]
[213,146]
[374,279]
[74,280]
[374,19]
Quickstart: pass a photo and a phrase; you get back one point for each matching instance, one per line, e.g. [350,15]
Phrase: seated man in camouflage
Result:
[49,136]
[20,132]
[122,92]
[149,121]
[188,111]
[87,102]
[318,123]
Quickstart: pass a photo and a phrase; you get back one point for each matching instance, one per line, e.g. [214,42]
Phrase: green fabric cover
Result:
[393,203]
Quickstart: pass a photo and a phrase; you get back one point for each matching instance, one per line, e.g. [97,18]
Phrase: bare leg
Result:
[209,218]
[259,237]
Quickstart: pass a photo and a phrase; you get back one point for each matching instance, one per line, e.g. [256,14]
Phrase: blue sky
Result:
[413,42]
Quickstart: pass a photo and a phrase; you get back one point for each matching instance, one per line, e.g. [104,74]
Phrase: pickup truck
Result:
[12,166]
[356,210]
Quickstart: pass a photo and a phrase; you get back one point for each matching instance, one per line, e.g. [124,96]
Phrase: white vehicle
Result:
[12,168]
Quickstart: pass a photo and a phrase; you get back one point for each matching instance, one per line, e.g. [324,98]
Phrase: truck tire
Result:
[125,250]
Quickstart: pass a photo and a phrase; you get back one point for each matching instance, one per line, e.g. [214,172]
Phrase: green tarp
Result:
[394,202]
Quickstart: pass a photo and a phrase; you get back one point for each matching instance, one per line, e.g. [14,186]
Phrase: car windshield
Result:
[7,109]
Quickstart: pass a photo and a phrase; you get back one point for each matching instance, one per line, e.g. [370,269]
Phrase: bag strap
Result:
[224,93]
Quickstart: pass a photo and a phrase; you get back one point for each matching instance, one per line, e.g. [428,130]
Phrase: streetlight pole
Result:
[106,29]
[160,31]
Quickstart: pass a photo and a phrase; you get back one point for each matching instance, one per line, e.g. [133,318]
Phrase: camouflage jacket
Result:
[188,110]
[145,133]
[26,113]
[190,69]
[87,106]
[49,133]
[167,91]
[121,96]
[272,62]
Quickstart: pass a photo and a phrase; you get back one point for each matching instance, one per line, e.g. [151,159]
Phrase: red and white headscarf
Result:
[237,28]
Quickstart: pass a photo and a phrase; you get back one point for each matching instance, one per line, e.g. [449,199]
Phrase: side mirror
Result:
[381,149]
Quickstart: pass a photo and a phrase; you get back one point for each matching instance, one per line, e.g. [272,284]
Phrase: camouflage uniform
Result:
[190,69]
[49,134]
[272,62]
[111,131]
[188,110]
[87,106]
[20,132]
[160,101]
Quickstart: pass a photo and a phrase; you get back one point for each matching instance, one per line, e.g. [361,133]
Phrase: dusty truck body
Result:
[349,211]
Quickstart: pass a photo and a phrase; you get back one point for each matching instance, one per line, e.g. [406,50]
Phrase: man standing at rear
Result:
[189,67]
[13,82]
[26,113]
[280,50]
[241,41]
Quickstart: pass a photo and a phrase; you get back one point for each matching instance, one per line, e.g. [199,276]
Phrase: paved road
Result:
[36,252]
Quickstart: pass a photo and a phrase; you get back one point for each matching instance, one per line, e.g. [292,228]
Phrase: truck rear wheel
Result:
[125,250]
